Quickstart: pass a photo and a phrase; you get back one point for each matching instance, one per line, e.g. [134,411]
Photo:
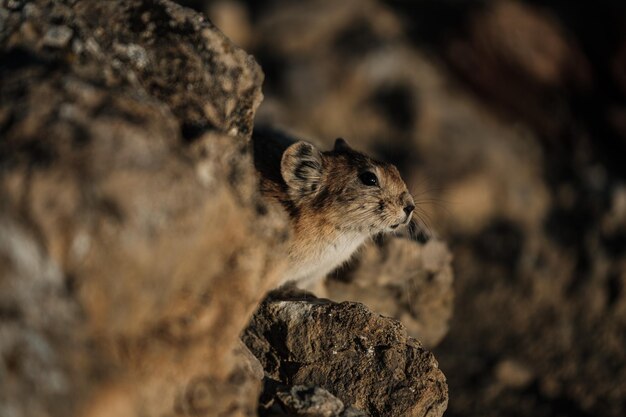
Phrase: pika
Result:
[336,200]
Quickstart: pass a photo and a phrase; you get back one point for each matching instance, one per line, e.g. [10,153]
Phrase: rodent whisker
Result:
[427,180]
[432,200]
[419,229]
[438,202]
[439,205]
[426,222]
[423,214]
[427,191]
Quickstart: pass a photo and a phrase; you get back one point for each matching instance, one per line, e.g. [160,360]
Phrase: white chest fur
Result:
[324,256]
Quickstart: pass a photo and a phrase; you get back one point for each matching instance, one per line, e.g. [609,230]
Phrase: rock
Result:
[234,395]
[134,53]
[543,54]
[124,169]
[58,36]
[403,279]
[315,401]
[511,373]
[364,359]
[233,19]
[301,400]
[526,73]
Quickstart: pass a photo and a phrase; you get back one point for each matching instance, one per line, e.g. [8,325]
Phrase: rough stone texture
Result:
[123,170]
[300,400]
[279,400]
[404,279]
[310,401]
[369,362]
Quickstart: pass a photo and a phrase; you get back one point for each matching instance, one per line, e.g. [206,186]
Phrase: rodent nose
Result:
[409,209]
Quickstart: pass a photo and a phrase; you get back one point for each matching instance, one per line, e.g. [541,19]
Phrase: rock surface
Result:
[300,400]
[404,279]
[369,362]
[123,170]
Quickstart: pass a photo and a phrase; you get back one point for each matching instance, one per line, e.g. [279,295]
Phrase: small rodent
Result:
[336,200]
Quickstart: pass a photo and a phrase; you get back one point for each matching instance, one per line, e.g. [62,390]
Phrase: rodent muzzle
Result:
[409,206]
[408,211]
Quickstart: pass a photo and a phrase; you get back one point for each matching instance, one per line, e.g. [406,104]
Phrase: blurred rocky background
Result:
[508,120]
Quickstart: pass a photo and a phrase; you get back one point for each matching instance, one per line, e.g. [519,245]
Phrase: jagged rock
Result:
[123,170]
[403,279]
[364,359]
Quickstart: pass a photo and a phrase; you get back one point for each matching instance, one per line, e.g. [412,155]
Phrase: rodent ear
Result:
[341,145]
[301,168]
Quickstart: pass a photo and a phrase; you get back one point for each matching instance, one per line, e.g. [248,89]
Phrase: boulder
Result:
[123,170]
[364,359]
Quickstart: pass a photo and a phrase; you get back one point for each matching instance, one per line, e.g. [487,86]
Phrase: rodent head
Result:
[350,189]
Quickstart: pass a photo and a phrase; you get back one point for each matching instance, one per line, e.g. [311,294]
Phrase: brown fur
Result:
[332,211]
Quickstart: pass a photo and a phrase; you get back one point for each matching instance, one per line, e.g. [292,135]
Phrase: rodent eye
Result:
[369,178]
